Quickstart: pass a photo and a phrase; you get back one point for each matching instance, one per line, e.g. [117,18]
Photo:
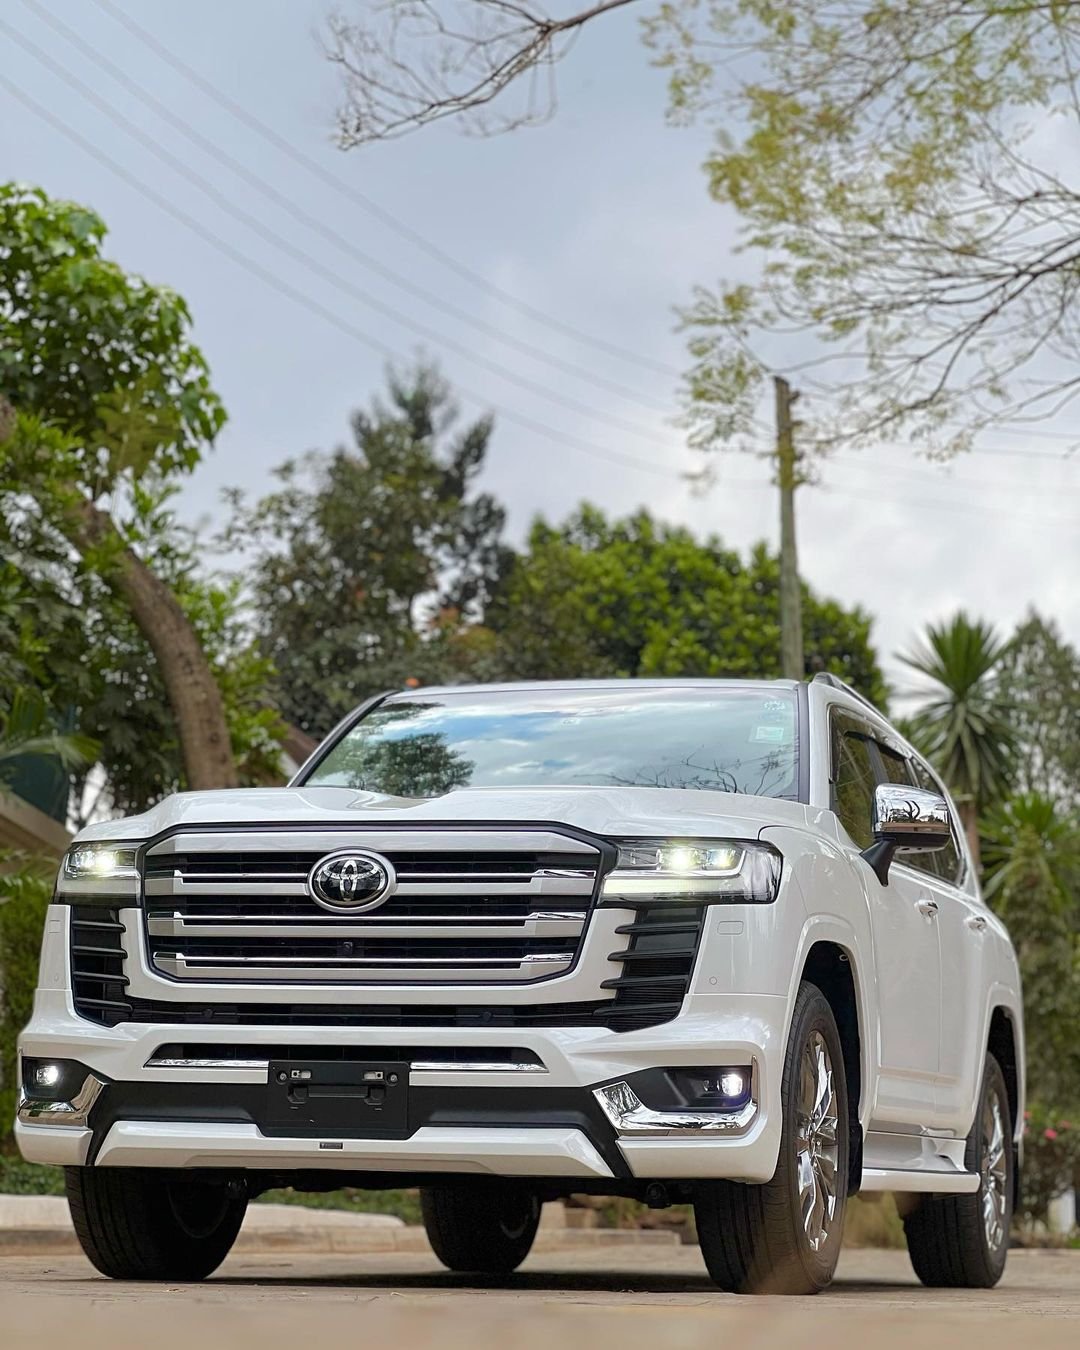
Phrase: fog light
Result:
[46,1076]
[724,1089]
[52,1080]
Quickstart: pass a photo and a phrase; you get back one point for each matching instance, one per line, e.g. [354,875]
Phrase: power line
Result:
[334,237]
[379,213]
[301,298]
[306,259]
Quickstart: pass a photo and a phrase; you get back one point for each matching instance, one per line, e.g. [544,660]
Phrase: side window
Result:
[949,863]
[897,768]
[853,778]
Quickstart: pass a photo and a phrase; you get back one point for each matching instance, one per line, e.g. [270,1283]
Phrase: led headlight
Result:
[103,872]
[706,870]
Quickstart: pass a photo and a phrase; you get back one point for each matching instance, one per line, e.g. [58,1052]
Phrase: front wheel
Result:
[481,1229]
[961,1241]
[783,1237]
[138,1224]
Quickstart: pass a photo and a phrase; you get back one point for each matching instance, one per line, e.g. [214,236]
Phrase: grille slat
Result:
[455,915]
[655,966]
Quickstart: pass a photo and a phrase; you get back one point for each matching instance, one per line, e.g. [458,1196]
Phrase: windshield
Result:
[727,739]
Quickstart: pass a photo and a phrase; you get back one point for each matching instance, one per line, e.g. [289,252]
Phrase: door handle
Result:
[927,906]
[976,922]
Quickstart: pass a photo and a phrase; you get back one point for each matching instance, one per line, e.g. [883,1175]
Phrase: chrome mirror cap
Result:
[907,818]
[910,817]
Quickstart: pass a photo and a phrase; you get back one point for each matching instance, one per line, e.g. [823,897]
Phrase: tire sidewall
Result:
[813,1013]
[993,1077]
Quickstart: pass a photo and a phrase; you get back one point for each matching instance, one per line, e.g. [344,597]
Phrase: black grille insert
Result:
[98,982]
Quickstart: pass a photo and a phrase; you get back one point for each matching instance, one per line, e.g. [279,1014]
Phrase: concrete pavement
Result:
[627,1298]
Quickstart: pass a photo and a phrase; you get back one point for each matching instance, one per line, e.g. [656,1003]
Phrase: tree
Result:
[372,564]
[879,154]
[69,641]
[1032,855]
[1039,679]
[410,62]
[638,598]
[109,394]
[962,723]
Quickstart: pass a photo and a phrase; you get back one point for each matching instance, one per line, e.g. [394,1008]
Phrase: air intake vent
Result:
[98,982]
[657,964]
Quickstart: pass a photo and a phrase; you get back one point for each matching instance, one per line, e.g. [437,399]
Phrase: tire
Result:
[784,1237]
[484,1229]
[138,1224]
[962,1241]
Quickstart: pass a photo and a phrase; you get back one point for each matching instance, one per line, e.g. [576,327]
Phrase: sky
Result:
[540,268]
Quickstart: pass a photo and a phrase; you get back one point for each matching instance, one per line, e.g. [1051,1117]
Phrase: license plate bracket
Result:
[338,1099]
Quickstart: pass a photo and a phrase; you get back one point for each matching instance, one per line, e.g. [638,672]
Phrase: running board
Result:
[909,1180]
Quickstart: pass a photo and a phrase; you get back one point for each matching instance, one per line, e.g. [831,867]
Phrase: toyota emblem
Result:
[351,882]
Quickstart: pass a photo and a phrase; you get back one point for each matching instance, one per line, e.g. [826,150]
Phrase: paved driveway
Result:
[660,1299]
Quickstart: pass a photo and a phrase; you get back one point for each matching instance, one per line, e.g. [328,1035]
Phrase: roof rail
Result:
[835,682]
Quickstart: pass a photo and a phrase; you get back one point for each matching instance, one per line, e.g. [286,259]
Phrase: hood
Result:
[619,811]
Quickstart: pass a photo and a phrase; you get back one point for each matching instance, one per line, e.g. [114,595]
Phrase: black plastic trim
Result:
[246,1103]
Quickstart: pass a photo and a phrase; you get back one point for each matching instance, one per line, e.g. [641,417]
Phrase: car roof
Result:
[543,686]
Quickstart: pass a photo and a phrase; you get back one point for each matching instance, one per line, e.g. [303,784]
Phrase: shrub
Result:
[1051,1161]
[25,889]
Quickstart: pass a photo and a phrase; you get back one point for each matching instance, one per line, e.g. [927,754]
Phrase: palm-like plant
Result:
[1032,852]
[962,723]
[25,730]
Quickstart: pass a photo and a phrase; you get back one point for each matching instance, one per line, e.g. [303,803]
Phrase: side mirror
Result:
[907,818]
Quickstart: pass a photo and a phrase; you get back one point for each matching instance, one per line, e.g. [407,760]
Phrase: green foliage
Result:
[66,634]
[370,563]
[1031,850]
[962,723]
[899,209]
[638,598]
[102,356]
[1039,680]
[25,731]
[23,1178]
[25,891]
[112,401]
[1051,1162]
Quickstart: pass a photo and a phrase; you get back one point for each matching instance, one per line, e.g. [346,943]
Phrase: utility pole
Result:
[791,643]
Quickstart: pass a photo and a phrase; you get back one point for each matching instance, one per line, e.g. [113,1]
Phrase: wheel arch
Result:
[831,967]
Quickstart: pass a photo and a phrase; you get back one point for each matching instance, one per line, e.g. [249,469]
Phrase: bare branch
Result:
[488,63]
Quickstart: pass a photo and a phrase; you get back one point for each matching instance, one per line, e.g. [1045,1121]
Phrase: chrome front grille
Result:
[468,907]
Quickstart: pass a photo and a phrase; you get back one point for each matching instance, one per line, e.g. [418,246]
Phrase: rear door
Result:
[905,938]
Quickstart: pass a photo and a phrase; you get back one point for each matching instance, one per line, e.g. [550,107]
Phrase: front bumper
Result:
[569,1119]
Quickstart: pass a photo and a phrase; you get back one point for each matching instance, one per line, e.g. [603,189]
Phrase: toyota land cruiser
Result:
[681,940]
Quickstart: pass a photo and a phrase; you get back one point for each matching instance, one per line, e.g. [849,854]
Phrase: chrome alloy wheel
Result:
[995,1171]
[816,1141]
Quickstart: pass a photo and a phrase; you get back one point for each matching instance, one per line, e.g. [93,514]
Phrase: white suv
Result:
[691,940]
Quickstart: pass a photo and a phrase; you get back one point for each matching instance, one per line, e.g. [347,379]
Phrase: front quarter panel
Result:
[835,909]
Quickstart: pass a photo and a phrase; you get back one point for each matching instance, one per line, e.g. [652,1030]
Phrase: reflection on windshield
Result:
[724,739]
[414,764]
